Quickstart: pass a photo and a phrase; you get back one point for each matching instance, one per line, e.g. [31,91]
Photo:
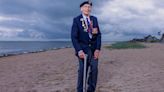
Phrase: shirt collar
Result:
[85,17]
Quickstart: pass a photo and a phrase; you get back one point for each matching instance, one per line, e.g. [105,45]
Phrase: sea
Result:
[8,48]
[19,47]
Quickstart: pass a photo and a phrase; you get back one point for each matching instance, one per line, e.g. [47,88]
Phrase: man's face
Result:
[86,9]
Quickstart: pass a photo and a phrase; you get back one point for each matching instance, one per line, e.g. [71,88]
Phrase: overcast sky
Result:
[52,19]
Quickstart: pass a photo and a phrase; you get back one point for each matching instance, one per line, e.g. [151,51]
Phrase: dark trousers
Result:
[92,80]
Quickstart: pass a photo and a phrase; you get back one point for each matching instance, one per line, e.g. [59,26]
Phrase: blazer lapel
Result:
[82,28]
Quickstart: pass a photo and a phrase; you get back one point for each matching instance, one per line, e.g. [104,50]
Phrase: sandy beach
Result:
[126,70]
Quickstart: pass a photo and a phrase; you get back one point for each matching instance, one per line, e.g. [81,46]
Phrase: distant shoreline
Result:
[14,53]
[28,52]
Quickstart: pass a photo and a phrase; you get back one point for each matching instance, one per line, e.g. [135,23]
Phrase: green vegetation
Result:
[126,45]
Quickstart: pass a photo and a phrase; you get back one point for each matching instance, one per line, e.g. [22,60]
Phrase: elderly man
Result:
[86,39]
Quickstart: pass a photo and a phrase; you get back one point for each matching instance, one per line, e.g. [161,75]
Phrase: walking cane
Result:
[84,75]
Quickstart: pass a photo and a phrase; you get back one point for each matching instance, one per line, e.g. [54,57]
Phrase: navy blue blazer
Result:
[80,38]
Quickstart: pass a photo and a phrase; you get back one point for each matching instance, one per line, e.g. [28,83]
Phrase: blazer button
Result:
[89,45]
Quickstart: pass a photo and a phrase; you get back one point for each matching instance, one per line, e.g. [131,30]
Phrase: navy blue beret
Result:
[85,2]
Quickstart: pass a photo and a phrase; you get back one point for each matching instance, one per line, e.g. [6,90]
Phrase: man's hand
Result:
[81,54]
[96,54]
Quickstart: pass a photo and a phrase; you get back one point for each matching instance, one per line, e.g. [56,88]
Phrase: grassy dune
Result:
[126,45]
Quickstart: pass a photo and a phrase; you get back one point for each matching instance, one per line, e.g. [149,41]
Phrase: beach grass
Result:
[126,45]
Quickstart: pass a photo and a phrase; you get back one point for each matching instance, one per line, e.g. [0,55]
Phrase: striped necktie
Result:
[89,30]
[89,26]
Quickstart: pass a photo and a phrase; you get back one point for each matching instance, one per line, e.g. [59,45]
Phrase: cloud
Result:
[44,19]
[131,18]
[6,32]
[52,19]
